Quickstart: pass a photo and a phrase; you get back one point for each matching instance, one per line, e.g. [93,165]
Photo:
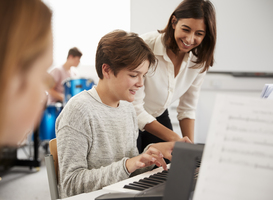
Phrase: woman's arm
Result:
[187,128]
[187,107]
[161,131]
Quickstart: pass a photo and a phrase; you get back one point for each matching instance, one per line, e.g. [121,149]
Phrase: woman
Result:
[25,56]
[184,50]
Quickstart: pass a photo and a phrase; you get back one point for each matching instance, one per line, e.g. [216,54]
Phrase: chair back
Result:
[53,152]
[51,161]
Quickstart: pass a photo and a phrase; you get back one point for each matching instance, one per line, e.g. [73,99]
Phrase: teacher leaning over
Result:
[185,51]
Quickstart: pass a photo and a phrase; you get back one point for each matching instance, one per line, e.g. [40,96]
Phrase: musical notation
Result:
[238,154]
[250,129]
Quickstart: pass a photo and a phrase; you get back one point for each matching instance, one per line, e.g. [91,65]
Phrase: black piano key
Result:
[139,185]
[133,187]
[148,181]
[151,179]
[164,172]
[155,179]
[147,184]
[159,177]
[198,163]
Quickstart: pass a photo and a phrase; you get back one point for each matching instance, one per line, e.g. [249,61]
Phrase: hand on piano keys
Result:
[149,157]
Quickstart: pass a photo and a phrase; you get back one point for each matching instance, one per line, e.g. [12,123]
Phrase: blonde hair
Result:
[25,26]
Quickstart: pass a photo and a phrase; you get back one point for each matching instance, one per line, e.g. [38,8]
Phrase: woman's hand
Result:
[150,157]
[154,155]
[185,139]
[166,148]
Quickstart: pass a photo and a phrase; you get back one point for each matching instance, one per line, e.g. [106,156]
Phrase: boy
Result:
[97,129]
[60,74]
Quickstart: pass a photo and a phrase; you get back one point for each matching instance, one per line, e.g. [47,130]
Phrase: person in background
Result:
[60,74]
[185,51]
[26,47]
[97,129]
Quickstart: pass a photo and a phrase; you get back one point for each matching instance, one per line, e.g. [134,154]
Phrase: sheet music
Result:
[237,162]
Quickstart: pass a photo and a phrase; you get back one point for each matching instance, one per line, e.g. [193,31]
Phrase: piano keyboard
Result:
[132,185]
[148,182]
[145,180]
[156,183]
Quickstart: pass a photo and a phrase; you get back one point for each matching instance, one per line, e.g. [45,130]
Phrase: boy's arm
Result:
[56,95]
[75,174]
[55,76]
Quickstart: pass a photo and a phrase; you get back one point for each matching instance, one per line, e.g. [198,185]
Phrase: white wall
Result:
[81,24]
[151,15]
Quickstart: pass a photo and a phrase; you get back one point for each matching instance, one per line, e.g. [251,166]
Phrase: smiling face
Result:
[127,82]
[123,86]
[188,33]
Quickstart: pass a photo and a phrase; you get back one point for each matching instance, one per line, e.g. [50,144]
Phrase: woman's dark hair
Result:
[120,49]
[197,9]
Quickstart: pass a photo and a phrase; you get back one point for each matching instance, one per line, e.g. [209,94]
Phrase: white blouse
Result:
[161,88]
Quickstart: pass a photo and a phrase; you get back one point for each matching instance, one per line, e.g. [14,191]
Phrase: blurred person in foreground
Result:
[25,56]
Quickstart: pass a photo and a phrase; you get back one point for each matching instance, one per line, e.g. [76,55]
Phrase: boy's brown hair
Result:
[120,49]
[74,52]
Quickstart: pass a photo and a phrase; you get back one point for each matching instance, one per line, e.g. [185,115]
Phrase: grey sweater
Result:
[94,141]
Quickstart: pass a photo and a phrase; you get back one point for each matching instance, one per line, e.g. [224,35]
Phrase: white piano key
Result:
[118,187]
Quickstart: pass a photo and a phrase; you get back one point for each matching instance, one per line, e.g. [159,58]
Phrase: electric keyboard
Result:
[178,184]
[124,186]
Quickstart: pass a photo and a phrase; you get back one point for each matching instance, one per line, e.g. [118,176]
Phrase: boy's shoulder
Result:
[80,101]
[128,106]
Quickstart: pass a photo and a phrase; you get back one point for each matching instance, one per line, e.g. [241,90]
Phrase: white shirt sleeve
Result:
[143,117]
[188,101]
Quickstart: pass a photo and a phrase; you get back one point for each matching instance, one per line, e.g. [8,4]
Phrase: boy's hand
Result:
[151,156]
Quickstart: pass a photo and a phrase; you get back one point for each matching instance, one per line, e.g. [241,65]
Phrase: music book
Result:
[267,91]
[237,160]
